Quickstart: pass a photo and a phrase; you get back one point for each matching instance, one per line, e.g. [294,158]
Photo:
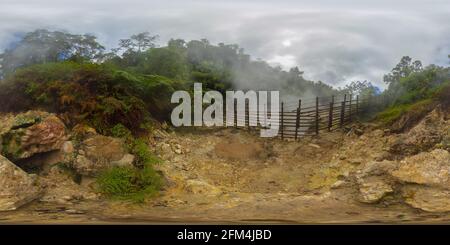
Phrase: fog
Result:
[332,41]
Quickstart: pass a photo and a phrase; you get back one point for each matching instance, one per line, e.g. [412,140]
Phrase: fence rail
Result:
[296,121]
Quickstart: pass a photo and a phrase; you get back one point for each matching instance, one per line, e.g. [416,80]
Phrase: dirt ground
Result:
[234,176]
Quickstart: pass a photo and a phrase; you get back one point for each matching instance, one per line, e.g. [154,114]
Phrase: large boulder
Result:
[31,133]
[426,168]
[97,153]
[16,187]
[373,182]
[421,181]
[427,198]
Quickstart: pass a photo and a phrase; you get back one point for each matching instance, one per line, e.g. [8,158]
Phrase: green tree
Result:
[165,61]
[138,42]
[44,46]
[133,48]
[403,69]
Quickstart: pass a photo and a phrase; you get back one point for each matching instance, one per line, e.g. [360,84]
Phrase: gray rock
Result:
[17,188]
[98,152]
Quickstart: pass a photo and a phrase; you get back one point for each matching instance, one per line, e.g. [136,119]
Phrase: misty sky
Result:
[332,41]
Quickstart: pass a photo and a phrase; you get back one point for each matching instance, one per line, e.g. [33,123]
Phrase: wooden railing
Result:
[308,118]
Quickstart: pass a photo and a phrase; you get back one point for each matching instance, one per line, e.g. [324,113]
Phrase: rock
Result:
[127,160]
[425,135]
[31,133]
[201,187]
[16,187]
[384,155]
[67,147]
[427,199]
[431,169]
[165,148]
[338,184]
[373,190]
[98,152]
[75,211]
[373,180]
[375,169]
[81,131]
[177,149]
[62,189]
[314,145]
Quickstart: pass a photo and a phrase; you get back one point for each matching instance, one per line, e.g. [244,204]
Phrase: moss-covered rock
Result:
[31,133]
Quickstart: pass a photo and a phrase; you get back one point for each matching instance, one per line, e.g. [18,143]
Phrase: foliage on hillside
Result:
[97,94]
[219,67]
[414,91]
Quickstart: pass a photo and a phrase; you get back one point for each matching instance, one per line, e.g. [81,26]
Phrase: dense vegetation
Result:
[413,90]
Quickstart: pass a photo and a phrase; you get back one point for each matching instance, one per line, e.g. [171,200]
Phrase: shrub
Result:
[120,131]
[144,157]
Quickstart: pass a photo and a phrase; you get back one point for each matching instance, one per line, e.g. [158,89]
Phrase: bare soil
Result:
[234,176]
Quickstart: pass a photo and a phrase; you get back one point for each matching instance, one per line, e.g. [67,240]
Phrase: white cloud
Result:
[332,41]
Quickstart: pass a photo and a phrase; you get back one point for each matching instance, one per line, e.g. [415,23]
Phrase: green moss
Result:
[24,121]
[10,145]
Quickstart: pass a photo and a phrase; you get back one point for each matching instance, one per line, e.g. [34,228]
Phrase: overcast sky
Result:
[332,41]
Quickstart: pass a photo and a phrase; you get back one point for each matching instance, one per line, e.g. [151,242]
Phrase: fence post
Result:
[330,115]
[297,122]
[350,108]
[343,111]
[357,104]
[247,116]
[235,114]
[317,115]
[282,126]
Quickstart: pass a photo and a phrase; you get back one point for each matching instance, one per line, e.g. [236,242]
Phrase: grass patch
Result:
[394,113]
[129,183]
[132,183]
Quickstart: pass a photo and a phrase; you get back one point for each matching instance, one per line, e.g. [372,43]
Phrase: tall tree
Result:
[403,69]
[138,42]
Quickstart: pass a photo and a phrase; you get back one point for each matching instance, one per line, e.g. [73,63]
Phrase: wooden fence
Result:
[310,117]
